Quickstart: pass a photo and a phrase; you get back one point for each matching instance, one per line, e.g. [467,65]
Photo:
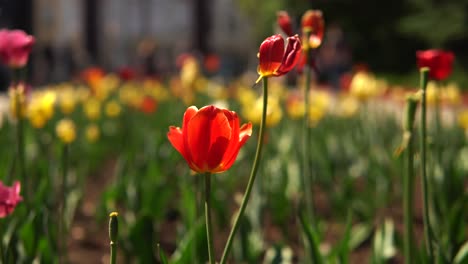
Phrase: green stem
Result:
[427,233]
[113,234]
[408,201]
[20,140]
[253,174]
[306,174]
[209,226]
[113,252]
[63,228]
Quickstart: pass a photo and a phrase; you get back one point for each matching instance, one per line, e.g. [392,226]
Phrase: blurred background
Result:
[148,35]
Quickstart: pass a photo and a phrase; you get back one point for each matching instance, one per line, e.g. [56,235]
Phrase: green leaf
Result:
[27,235]
[183,251]
[162,255]
[359,234]
[384,244]
[311,238]
[462,255]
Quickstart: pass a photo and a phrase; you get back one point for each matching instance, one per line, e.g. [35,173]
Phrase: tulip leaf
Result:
[162,255]
[462,255]
[384,244]
[183,251]
[311,238]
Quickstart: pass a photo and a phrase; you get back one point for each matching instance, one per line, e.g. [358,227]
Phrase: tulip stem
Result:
[306,174]
[20,136]
[424,78]
[252,177]
[209,226]
[113,234]
[63,202]
[408,178]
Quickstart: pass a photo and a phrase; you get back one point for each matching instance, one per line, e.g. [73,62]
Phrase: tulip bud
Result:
[113,227]
[284,22]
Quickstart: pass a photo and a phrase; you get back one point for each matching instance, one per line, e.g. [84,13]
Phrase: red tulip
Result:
[274,60]
[439,62]
[9,198]
[210,138]
[284,22]
[15,46]
[148,105]
[312,21]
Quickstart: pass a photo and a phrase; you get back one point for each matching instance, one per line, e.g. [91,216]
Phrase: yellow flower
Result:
[92,109]
[130,94]
[92,133]
[113,108]
[254,112]
[295,106]
[82,93]
[365,86]
[319,104]
[463,119]
[246,96]
[347,106]
[189,72]
[156,90]
[66,131]
[451,94]
[432,93]
[41,108]
[17,100]
[216,91]
[67,100]
[316,114]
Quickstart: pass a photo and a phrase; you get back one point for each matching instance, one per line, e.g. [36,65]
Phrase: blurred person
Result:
[334,57]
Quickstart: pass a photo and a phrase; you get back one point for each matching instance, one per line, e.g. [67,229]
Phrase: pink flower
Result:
[15,46]
[9,198]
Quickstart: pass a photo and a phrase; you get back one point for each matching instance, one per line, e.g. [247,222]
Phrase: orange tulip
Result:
[312,21]
[210,138]
[274,60]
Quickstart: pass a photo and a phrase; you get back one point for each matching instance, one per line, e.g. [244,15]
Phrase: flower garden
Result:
[112,167]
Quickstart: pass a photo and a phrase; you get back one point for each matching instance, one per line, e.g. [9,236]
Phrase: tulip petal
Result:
[189,114]
[291,55]
[233,120]
[270,55]
[175,136]
[245,133]
[208,137]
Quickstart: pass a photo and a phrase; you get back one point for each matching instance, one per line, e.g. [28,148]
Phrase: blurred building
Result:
[113,33]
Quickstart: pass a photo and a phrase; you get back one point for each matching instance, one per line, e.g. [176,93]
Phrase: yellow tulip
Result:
[347,106]
[92,109]
[67,100]
[66,131]
[451,94]
[113,108]
[92,133]
[17,100]
[254,112]
[463,119]
[295,106]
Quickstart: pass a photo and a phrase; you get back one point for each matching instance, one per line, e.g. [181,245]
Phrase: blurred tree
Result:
[383,34]
[436,22]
